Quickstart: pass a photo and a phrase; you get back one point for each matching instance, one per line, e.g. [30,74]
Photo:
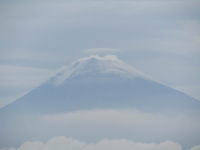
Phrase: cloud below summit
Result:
[63,143]
[95,125]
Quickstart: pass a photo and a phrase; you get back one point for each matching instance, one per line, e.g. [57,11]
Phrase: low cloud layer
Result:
[95,125]
[126,119]
[64,143]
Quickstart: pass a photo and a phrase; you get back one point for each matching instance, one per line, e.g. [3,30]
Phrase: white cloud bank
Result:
[64,143]
[126,126]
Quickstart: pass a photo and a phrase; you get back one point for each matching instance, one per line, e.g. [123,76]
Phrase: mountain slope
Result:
[101,82]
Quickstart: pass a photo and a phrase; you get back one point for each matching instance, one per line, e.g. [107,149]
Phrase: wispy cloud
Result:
[18,76]
[101,51]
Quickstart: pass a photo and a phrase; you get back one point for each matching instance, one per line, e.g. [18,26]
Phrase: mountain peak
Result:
[96,57]
[95,67]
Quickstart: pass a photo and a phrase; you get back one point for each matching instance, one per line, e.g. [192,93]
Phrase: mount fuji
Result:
[101,97]
[100,83]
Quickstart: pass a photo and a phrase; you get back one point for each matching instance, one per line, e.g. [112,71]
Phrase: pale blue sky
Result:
[158,37]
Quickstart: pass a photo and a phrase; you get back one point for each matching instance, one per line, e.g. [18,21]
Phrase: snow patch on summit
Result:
[95,66]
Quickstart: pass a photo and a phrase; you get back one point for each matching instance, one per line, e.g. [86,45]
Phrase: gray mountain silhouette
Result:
[101,82]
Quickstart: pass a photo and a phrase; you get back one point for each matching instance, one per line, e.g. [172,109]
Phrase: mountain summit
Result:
[96,68]
[100,83]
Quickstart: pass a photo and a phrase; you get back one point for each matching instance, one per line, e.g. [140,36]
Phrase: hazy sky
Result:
[158,37]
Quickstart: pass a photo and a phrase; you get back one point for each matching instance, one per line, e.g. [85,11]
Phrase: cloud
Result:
[101,50]
[63,143]
[19,76]
[95,125]
[126,117]
[196,147]
[128,123]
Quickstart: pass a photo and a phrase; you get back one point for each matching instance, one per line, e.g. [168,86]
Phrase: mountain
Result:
[95,98]
[101,82]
